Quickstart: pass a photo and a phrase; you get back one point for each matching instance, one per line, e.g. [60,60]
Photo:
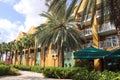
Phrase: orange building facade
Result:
[105,37]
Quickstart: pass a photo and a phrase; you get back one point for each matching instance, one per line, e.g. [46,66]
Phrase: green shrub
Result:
[75,73]
[4,70]
[23,67]
[13,71]
[8,70]
[49,72]
[65,73]
[29,68]
[80,74]
[94,75]
[2,62]
[36,69]
[108,75]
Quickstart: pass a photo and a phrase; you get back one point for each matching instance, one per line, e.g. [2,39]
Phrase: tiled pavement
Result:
[26,75]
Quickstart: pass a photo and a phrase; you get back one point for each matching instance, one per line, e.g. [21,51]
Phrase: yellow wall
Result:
[97,63]
[95,37]
[47,59]
[31,60]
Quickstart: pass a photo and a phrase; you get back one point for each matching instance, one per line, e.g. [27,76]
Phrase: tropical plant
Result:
[0,51]
[5,48]
[14,49]
[60,31]
[27,42]
[20,48]
[112,6]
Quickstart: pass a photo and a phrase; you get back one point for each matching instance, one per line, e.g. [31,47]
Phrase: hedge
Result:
[8,70]
[74,73]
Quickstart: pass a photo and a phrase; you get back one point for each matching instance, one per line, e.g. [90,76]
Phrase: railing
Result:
[106,44]
[106,27]
[87,31]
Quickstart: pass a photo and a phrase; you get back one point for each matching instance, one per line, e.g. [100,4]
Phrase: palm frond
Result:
[71,8]
[93,12]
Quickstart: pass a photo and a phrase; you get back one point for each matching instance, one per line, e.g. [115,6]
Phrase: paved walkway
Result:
[27,75]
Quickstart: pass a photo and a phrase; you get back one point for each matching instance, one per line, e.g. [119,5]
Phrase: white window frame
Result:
[112,41]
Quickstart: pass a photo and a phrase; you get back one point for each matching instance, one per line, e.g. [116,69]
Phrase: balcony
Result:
[109,42]
[107,45]
[107,29]
[98,13]
[87,19]
[87,32]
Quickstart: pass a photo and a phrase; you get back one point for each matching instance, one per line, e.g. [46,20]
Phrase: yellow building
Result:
[26,59]
[46,56]
[105,37]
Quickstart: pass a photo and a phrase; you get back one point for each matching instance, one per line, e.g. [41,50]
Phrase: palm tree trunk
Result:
[61,57]
[0,56]
[44,56]
[6,57]
[21,56]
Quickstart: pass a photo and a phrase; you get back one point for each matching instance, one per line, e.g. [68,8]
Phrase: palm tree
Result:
[112,7]
[60,31]
[14,50]
[5,49]
[9,46]
[27,43]
[1,52]
[20,49]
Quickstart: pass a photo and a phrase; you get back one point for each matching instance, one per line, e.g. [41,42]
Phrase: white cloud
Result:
[31,9]
[9,30]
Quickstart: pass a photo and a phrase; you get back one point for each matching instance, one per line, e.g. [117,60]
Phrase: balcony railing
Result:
[106,27]
[106,44]
[87,31]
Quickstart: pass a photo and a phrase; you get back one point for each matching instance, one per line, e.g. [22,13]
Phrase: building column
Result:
[97,63]
[34,55]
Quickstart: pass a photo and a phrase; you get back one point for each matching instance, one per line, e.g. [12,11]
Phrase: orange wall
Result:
[47,58]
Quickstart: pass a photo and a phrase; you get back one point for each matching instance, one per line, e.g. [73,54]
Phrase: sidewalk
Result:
[27,75]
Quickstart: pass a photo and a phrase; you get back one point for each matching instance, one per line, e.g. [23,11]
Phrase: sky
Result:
[19,15]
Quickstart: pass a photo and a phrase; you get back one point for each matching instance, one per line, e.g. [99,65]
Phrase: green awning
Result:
[91,53]
[115,53]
